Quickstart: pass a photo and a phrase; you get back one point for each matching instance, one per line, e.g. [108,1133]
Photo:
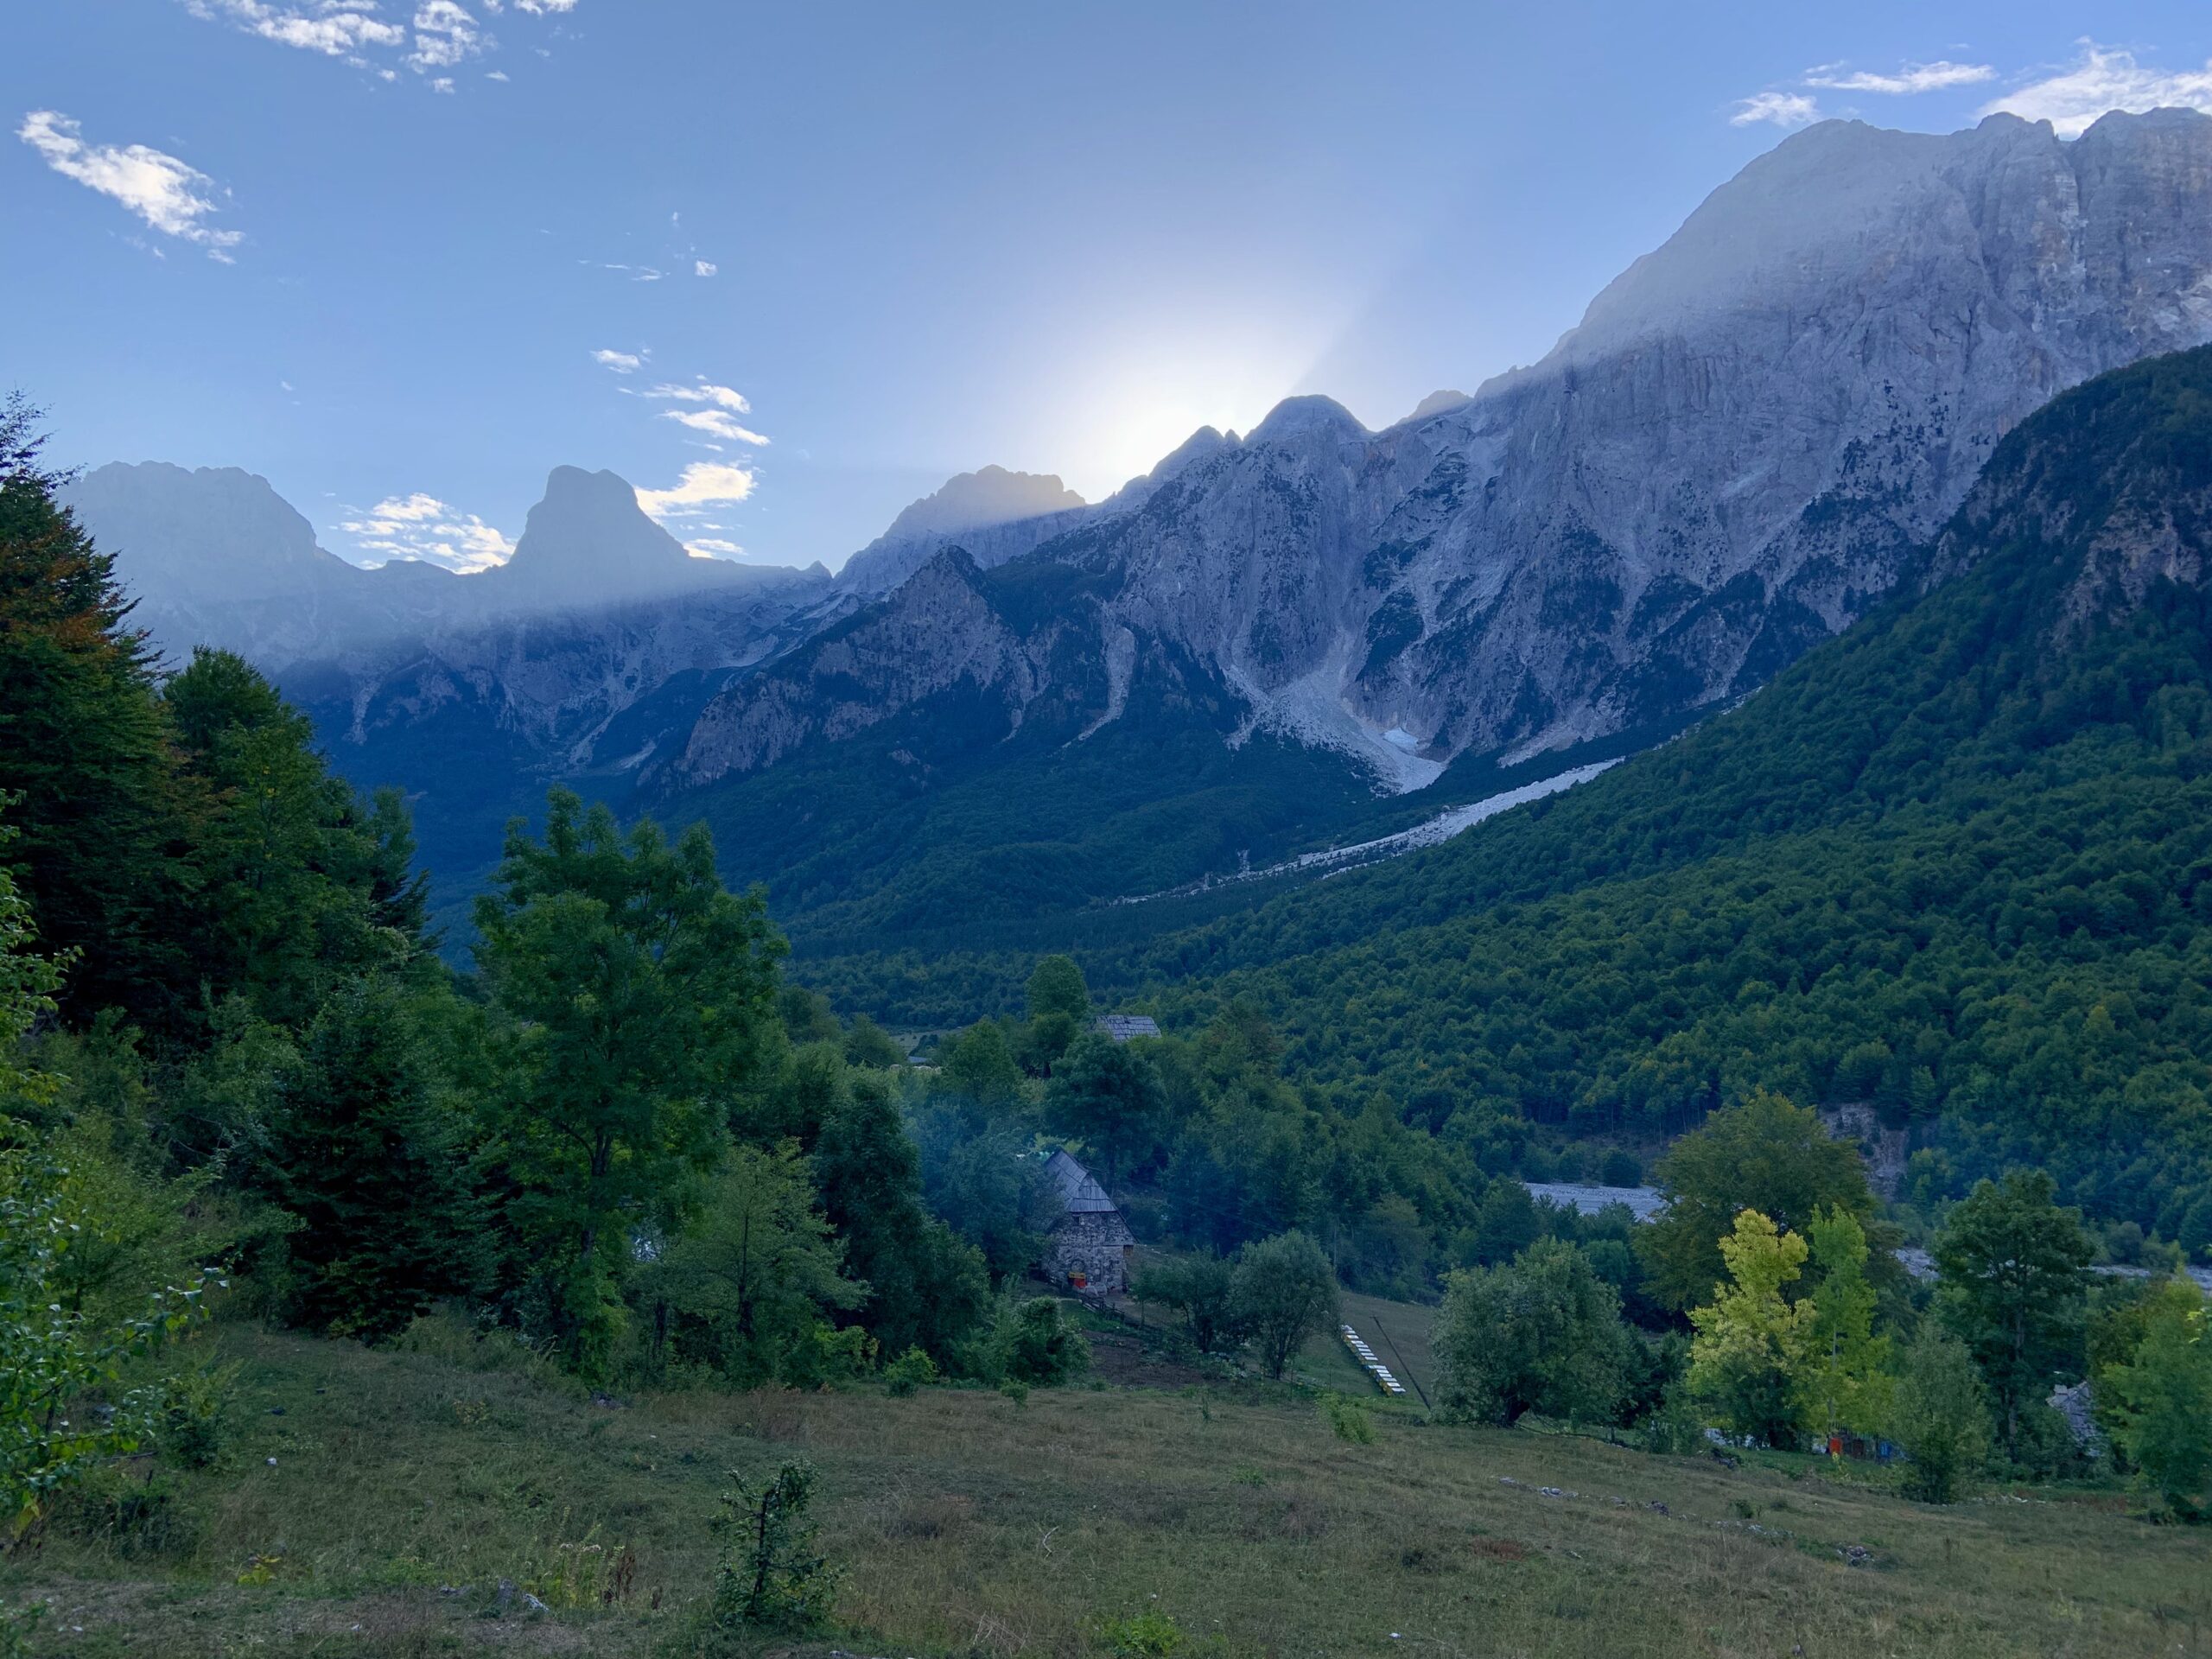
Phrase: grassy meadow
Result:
[405,1485]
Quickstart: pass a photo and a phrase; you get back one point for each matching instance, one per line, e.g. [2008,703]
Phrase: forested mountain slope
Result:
[1958,860]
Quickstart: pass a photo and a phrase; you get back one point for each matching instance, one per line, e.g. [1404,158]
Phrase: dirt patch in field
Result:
[1127,1363]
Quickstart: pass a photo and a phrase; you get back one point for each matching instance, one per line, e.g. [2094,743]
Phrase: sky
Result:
[787,268]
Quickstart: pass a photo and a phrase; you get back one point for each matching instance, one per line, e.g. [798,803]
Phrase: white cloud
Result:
[709,547]
[444,35]
[334,27]
[704,485]
[2103,79]
[170,195]
[620,362]
[637,273]
[715,422]
[422,527]
[1783,109]
[1911,79]
[437,35]
[496,74]
[704,267]
[705,393]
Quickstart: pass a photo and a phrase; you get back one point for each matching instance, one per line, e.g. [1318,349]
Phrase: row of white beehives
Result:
[1374,1367]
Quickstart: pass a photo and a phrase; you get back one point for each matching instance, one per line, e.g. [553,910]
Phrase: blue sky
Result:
[787,267]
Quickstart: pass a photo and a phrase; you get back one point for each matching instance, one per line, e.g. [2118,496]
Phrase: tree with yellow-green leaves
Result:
[1844,1384]
[1751,1341]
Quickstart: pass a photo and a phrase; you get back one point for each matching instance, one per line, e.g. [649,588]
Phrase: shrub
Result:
[193,1424]
[1283,1292]
[1034,1343]
[1351,1420]
[771,1579]
[1148,1635]
[911,1370]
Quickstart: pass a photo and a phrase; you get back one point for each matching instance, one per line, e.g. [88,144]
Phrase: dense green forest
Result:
[1956,862]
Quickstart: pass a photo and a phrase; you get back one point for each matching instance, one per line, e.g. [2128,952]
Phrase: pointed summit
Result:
[587,542]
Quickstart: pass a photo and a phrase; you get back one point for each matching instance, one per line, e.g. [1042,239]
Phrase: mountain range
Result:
[1015,704]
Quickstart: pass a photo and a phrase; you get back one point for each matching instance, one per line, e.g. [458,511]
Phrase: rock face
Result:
[592,647]
[995,514]
[1741,447]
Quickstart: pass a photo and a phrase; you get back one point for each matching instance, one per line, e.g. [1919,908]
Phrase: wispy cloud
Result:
[620,362]
[636,273]
[1913,77]
[713,422]
[422,527]
[1783,109]
[435,36]
[702,486]
[170,195]
[336,28]
[2101,80]
[704,267]
[703,392]
[714,548]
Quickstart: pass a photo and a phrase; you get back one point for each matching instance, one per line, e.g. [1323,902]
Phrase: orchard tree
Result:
[1282,1292]
[636,1000]
[2015,1270]
[1542,1333]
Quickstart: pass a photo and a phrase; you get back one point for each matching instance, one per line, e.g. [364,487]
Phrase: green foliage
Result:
[1843,1382]
[1148,1635]
[867,1044]
[1281,1292]
[1059,1009]
[1201,1287]
[978,1067]
[2014,1276]
[1751,1343]
[1765,1154]
[1541,1332]
[743,1288]
[927,1287]
[1107,1097]
[773,1578]
[1032,1342]
[366,1148]
[633,997]
[102,808]
[1350,1421]
[2163,1396]
[909,1373]
[1940,1417]
[193,1424]
[52,1356]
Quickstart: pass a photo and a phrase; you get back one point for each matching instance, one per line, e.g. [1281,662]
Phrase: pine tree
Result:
[104,817]
[367,1149]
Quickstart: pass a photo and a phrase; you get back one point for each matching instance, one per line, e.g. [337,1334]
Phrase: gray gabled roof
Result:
[1122,1027]
[1080,1194]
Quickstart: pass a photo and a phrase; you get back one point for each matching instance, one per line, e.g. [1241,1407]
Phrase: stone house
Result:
[1088,1248]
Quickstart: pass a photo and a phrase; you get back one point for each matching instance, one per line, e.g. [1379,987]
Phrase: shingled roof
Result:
[1079,1193]
[1122,1027]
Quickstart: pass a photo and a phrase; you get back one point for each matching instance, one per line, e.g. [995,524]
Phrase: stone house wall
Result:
[1093,1244]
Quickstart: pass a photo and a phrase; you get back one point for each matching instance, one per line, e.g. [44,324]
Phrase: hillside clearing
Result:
[406,1485]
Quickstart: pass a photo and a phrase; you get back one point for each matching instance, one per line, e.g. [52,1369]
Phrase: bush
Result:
[911,1370]
[1148,1635]
[1621,1169]
[1034,1344]
[773,1578]
[1352,1421]
[193,1424]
